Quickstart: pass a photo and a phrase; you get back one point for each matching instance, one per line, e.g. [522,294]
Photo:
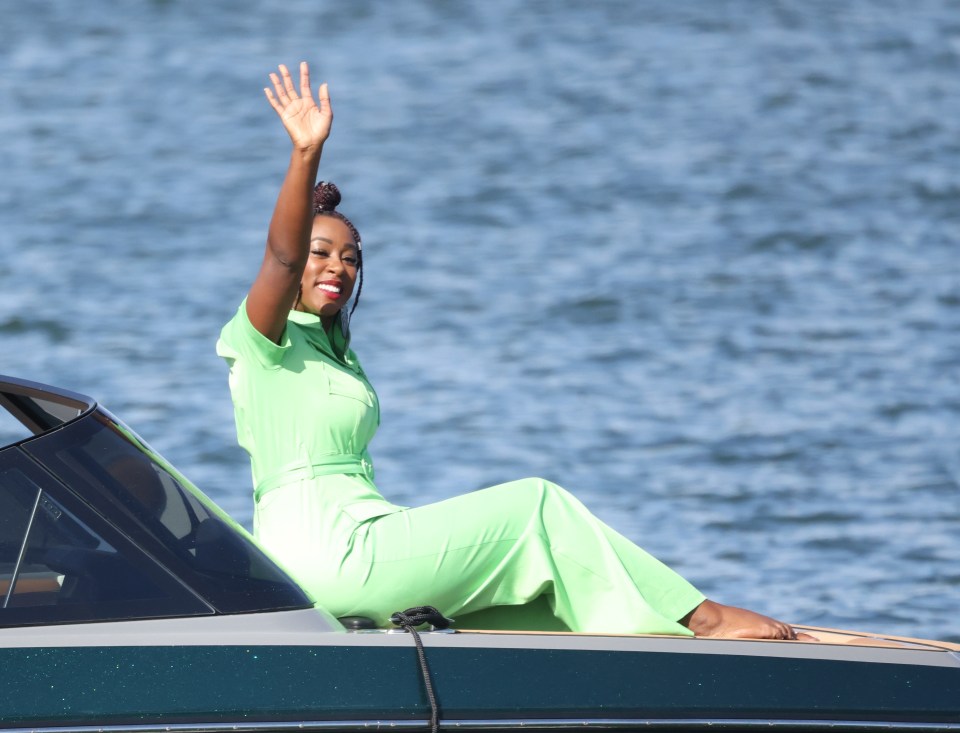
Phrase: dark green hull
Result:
[123,686]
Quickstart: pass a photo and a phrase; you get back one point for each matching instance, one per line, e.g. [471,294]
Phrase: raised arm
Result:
[308,124]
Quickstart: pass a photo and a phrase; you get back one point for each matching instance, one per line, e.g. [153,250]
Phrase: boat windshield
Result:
[108,468]
[106,463]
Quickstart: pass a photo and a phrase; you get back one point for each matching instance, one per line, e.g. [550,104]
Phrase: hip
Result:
[322,512]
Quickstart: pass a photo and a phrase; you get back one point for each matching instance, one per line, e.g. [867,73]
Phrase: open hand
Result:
[307,123]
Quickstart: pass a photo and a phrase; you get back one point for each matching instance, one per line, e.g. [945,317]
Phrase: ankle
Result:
[705,619]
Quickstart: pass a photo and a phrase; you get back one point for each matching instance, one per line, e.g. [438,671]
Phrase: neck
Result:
[326,321]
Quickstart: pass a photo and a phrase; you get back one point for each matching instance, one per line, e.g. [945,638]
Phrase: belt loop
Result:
[311,470]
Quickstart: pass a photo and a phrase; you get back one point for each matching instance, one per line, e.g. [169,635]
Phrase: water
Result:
[696,262]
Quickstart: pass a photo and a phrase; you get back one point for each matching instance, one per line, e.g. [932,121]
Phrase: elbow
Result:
[294,261]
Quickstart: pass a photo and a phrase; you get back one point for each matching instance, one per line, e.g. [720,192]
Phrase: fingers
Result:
[304,79]
[279,94]
[277,107]
[323,99]
[283,89]
[288,82]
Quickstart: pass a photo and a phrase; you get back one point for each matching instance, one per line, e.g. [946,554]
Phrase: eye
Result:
[351,260]
[319,252]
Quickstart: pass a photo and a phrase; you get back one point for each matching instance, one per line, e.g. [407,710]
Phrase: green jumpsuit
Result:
[305,413]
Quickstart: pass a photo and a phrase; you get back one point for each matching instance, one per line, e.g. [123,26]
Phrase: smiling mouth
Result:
[333,290]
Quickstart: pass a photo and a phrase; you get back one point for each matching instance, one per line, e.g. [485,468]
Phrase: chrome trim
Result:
[23,548]
[507,724]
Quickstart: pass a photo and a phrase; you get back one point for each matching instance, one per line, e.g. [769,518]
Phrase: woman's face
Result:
[331,270]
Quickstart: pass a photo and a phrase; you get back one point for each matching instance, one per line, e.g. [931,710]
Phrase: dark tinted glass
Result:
[18,501]
[60,563]
[160,510]
[28,409]
[11,429]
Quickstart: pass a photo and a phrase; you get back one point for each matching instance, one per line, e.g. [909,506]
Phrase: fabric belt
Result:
[323,466]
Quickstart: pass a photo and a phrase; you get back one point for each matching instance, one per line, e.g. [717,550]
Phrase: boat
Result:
[131,603]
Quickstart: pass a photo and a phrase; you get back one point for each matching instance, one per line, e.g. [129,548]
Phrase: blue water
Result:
[698,262]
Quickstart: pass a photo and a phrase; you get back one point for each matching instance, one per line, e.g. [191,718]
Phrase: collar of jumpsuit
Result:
[334,343]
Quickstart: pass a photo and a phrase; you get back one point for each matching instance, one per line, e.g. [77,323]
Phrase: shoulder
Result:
[240,340]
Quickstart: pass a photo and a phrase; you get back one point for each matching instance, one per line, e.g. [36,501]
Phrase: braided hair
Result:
[326,198]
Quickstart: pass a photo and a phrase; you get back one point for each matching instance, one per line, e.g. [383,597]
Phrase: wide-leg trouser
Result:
[507,545]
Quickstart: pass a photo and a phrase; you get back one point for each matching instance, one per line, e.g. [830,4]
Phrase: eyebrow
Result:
[351,245]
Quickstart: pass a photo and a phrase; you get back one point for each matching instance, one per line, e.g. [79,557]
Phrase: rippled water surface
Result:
[698,262]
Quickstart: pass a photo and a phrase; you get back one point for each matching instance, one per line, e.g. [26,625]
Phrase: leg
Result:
[507,546]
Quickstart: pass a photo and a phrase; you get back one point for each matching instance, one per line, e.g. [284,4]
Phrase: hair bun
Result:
[326,196]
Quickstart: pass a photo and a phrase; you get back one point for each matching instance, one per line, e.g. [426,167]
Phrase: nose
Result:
[335,264]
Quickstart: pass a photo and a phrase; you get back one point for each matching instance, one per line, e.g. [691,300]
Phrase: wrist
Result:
[308,153]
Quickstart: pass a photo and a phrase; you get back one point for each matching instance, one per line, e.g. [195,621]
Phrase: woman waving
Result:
[306,413]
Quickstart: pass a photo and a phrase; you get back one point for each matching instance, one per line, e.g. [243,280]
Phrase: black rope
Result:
[419,615]
[410,619]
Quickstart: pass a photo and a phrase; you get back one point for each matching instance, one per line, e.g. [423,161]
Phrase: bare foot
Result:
[711,619]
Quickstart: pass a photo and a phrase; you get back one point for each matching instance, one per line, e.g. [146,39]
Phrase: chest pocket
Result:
[342,384]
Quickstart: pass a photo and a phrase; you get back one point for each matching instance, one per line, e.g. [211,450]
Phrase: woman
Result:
[305,413]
